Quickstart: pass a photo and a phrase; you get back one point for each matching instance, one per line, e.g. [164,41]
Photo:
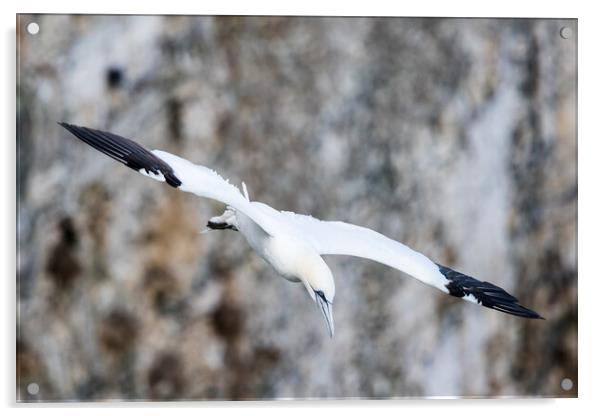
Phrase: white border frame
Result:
[589,206]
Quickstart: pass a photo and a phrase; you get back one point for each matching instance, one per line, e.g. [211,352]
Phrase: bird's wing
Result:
[176,171]
[340,238]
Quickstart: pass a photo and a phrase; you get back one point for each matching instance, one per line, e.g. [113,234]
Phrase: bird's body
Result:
[289,253]
[283,251]
[294,244]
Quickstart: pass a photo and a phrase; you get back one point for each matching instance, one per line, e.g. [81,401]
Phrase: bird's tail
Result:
[484,293]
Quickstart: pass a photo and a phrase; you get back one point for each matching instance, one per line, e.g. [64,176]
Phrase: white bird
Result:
[294,244]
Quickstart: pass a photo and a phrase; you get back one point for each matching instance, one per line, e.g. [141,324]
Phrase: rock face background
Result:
[457,137]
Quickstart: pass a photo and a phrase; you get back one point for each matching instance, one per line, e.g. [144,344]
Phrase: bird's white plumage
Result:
[340,238]
[326,237]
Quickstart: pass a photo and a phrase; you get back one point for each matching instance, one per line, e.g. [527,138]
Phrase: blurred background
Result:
[454,136]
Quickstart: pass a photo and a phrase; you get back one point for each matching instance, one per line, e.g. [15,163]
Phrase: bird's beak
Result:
[326,308]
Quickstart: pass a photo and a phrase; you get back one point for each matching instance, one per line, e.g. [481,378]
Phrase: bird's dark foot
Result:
[221,226]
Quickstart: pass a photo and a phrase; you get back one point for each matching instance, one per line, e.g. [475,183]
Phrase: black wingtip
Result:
[486,294]
[125,151]
[69,127]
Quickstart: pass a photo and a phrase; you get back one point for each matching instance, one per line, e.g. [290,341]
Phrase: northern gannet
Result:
[293,244]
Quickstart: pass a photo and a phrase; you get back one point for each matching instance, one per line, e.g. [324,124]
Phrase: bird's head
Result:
[317,279]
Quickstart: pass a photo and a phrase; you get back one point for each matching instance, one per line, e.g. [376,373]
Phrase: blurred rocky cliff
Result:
[454,136]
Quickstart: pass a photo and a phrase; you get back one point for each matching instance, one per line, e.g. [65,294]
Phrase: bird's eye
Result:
[320,294]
